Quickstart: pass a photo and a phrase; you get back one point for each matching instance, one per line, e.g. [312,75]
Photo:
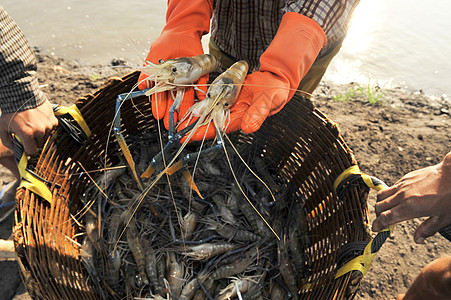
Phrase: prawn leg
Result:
[174,138]
[192,157]
[120,138]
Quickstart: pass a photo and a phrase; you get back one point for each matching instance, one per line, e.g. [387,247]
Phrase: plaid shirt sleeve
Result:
[245,29]
[332,16]
[19,89]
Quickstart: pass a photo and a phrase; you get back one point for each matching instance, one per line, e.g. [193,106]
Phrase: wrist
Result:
[294,49]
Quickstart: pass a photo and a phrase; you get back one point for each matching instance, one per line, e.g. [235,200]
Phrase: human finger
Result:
[202,87]
[159,104]
[29,143]
[236,117]
[204,132]
[399,213]
[39,137]
[6,139]
[255,116]
[385,193]
[187,102]
[428,228]
[388,200]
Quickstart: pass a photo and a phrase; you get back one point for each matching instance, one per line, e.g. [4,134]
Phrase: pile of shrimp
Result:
[180,246]
[240,234]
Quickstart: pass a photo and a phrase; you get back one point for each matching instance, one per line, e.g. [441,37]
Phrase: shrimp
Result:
[92,230]
[221,95]
[105,180]
[251,215]
[277,292]
[151,264]
[114,264]
[232,233]
[189,223]
[286,269]
[169,74]
[135,245]
[161,271]
[192,286]
[175,275]
[236,287]
[88,255]
[237,266]
[224,211]
[208,250]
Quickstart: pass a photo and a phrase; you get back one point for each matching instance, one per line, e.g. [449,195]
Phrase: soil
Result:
[400,132]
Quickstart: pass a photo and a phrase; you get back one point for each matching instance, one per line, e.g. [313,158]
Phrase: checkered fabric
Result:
[244,29]
[19,89]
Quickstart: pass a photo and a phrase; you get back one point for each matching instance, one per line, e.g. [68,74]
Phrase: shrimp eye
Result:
[208,95]
[226,104]
[161,61]
[174,69]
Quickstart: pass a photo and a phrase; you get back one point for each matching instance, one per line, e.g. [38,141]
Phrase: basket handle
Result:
[30,179]
[369,249]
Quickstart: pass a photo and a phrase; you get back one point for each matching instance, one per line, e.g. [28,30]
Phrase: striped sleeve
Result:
[19,89]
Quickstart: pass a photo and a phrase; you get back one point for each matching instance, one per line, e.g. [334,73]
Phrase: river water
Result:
[391,42]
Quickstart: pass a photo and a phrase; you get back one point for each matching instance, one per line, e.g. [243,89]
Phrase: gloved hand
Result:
[288,58]
[186,23]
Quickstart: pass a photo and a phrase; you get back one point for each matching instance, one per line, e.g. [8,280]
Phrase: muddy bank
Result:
[399,132]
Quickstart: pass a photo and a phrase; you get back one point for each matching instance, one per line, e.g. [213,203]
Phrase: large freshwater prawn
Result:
[220,97]
[176,74]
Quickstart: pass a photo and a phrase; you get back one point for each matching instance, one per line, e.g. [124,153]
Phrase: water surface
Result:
[391,42]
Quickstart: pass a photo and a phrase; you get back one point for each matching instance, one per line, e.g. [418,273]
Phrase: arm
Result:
[421,193]
[24,108]
[432,283]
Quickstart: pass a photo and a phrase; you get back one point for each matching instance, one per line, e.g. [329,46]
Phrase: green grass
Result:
[348,96]
[371,93]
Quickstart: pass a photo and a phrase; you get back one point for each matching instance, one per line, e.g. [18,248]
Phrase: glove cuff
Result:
[294,49]
[190,17]
[186,22]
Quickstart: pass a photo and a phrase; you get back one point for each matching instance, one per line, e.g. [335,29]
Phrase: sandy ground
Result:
[401,132]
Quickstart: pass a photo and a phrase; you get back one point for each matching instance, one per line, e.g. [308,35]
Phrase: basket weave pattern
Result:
[303,144]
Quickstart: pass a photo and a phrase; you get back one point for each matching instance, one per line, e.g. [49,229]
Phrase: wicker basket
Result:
[304,144]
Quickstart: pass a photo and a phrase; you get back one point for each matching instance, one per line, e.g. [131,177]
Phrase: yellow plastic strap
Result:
[369,181]
[361,263]
[76,114]
[29,181]
[353,170]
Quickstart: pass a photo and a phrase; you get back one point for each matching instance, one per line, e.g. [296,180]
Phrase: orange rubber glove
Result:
[186,23]
[288,58]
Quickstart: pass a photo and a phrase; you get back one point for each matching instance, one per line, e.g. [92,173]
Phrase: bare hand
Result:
[421,193]
[31,126]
